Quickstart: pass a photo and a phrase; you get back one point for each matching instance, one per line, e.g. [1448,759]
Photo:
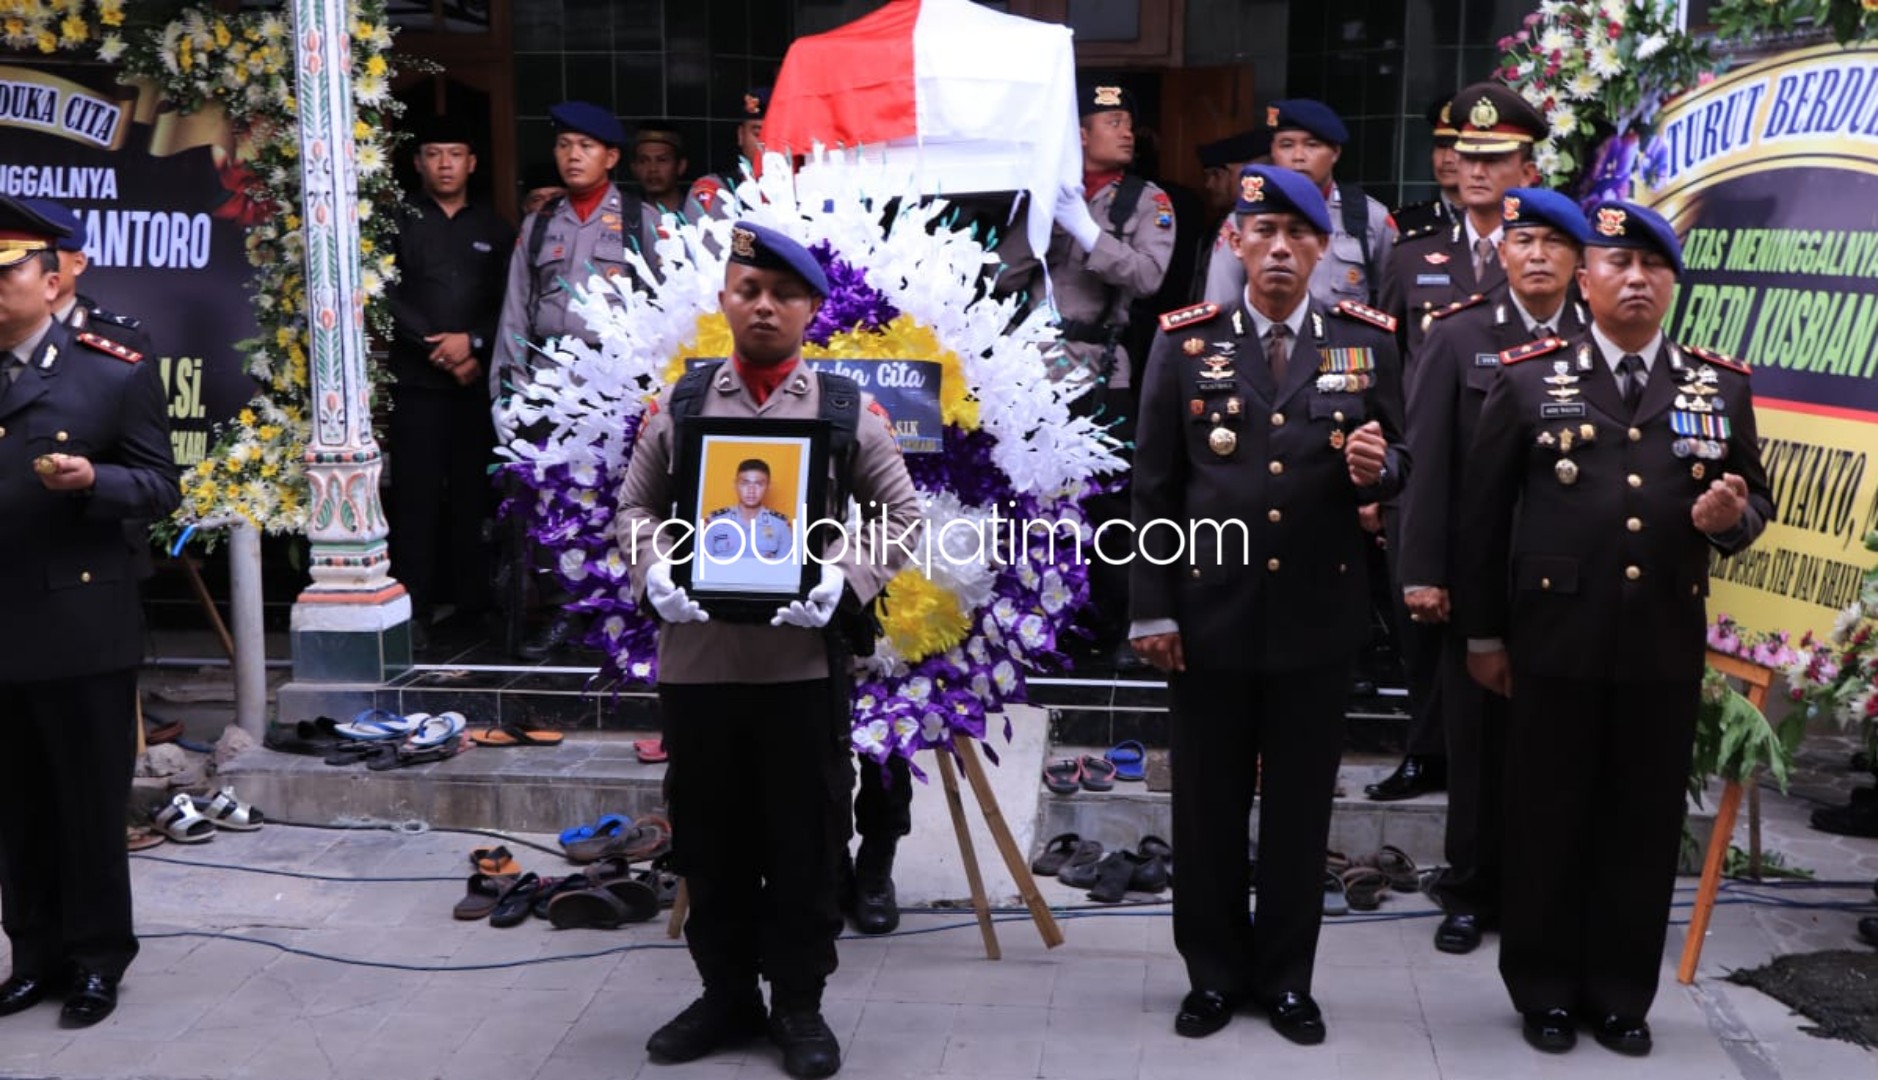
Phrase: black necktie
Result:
[11,366]
[1541,331]
[1277,351]
[1631,368]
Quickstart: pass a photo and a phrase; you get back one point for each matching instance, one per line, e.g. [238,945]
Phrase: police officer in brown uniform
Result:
[760,772]
[1544,233]
[1272,420]
[84,447]
[1609,465]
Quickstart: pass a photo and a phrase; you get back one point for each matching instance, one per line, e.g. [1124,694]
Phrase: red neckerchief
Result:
[1094,182]
[763,381]
[585,205]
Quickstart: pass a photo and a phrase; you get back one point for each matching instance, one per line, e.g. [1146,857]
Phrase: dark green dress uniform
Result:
[1459,363]
[1581,556]
[1269,619]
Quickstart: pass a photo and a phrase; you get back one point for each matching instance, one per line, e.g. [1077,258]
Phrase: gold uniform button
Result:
[1272,565]
[1635,435]
[1278,468]
[1634,524]
[1634,480]
[85,577]
[61,437]
[1278,419]
[1274,517]
[1632,573]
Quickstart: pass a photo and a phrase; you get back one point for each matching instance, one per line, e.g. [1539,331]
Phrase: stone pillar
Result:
[352,625]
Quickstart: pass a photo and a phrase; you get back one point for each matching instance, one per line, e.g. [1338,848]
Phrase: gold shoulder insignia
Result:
[1364,313]
[1188,316]
[1531,349]
[1718,359]
[110,348]
[1458,305]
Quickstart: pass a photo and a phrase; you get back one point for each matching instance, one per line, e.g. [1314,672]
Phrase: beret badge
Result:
[1611,221]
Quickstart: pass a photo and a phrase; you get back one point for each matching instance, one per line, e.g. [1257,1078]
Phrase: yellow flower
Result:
[361,130]
[205,468]
[269,471]
[222,36]
[111,12]
[922,619]
[72,30]
[245,417]
[233,491]
[269,432]
[365,245]
[46,41]
[185,55]
[376,66]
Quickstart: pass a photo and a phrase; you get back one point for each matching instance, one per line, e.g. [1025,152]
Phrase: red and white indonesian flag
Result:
[969,99]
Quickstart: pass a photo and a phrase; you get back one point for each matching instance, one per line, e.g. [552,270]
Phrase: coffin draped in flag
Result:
[968,99]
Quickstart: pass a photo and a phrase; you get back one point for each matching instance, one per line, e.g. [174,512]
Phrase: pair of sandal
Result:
[399,741]
[1066,776]
[188,819]
[1082,864]
[604,897]
[617,837]
[1361,883]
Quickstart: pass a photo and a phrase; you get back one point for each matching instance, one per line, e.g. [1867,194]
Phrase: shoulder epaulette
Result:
[1188,316]
[1382,320]
[1458,305]
[1718,359]
[1419,231]
[1531,349]
[115,319]
[110,348]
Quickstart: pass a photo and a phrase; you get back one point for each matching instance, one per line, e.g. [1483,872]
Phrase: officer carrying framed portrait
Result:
[745,486]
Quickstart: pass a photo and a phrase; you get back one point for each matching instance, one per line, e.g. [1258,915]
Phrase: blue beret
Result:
[1526,207]
[1269,189]
[1307,115]
[73,238]
[588,119]
[1235,149]
[753,104]
[766,249]
[1103,97]
[1627,225]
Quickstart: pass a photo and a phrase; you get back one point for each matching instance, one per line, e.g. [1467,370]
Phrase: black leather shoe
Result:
[1202,1012]
[559,631]
[1867,929]
[809,1049]
[21,992]
[707,1025]
[92,998]
[1624,1034]
[876,907]
[1459,934]
[1550,1030]
[1297,1017]
[1417,775]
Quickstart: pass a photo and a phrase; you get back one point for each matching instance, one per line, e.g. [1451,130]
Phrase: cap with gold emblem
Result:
[766,249]
[1098,97]
[24,230]
[1441,119]
[1616,224]
[1492,119]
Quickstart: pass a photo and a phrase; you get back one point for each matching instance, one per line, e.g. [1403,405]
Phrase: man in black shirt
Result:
[452,257]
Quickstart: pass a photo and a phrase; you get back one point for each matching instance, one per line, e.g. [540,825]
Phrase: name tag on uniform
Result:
[1558,410]
[481,246]
[1486,359]
[1431,279]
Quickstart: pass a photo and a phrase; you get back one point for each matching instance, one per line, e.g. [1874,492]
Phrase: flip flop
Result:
[1130,759]
[229,812]
[158,731]
[651,751]
[496,862]
[407,755]
[649,838]
[1403,874]
[608,824]
[1117,869]
[1079,870]
[604,907]
[377,725]
[1055,854]
[435,731]
[508,734]
[1364,887]
[516,901]
[1336,901]
[1098,774]
[181,822]
[141,838]
[483,891]
[1063,776]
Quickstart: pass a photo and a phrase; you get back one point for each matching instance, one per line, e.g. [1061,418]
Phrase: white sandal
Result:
[227,811]
[181,822]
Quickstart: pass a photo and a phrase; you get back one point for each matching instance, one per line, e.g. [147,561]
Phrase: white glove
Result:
[1072,213]
[672,603]
[814,612]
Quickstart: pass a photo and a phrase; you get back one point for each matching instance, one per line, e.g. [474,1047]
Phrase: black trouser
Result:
[1108,582]
[760,796]
[1224,725]
[1419,647]
[64,801]
[442,444]
[1596,776]
[1476,721]
[883,804]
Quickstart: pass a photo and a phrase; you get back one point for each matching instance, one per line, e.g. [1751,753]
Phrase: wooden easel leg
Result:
[1711,881]
[1047,928]
[208,604]
[675,926]
[980,905]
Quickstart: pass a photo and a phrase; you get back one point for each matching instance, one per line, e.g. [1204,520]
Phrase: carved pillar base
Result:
[351,637]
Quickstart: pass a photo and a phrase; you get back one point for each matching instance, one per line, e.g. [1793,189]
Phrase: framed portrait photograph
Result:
[749,488]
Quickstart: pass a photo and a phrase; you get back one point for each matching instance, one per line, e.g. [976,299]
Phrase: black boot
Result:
[718,1020]
[810,1050]
[875,907]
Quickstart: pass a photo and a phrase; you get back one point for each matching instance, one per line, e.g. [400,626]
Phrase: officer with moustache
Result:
[1422,218]
[760,772]
[1609,465]
[84,447]
[1460,360]
[1273,419]
[73,308]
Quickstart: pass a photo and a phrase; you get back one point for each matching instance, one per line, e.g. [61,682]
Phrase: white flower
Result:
[111,48]
[1564,121]
[1551,7]
[872,739]
[1555,39]
[932,726]
[1845,623]
[1604,63]
[574,564]
[1583,86]
[371,159]
[1546,159]
[1533,95]
[1614,10]
[614,626]
[1650,46]
[584,473]
[371,90]
[917,690]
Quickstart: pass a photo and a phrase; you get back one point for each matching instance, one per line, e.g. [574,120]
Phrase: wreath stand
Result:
[966,750]
[1756,679]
